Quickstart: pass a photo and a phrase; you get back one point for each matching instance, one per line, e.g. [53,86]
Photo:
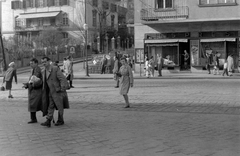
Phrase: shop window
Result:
[113,8]
[164,4]
[217,2]
[18,22]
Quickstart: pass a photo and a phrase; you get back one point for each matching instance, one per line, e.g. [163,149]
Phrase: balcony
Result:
[150,14]
[38,28]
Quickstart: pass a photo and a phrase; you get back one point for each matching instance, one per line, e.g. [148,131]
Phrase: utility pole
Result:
[2,47]
[85,27]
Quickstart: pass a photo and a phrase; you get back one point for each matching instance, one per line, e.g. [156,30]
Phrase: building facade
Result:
[169,27]
[27,18]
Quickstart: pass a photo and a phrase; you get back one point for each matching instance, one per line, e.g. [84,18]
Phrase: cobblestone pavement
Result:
[186,117]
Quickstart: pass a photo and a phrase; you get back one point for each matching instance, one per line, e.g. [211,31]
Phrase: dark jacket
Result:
[55,85]
[35,92]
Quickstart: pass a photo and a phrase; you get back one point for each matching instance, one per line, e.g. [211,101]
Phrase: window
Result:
[18,22]
[63,2]
[56,2]
[65,19]
[113,8]
[112,20]
[65,35]
[50,3]
[105,5]
[164,4]
[40,3]
[94,12]
[29,23]
[16,5]
[40,22]
[95,3]
[216,2]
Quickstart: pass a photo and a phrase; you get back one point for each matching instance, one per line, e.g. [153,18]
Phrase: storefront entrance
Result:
[184,56]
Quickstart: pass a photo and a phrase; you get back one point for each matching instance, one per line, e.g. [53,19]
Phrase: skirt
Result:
[8,85]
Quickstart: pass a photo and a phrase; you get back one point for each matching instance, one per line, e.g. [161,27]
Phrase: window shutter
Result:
[13,5]
[24,4]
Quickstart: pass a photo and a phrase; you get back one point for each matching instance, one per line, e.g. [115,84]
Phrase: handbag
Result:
[119,74]
[2,88]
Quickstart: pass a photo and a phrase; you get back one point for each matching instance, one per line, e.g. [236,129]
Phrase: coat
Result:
[160,62]
[35,92]
[68,69]
[126,79]
[9,74]
[54,84]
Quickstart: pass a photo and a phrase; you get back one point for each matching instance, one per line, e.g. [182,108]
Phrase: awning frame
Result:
[166,41]
[218,40]
[39,15]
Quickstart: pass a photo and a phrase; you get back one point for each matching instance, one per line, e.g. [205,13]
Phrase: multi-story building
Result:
[168,27]
[27,18]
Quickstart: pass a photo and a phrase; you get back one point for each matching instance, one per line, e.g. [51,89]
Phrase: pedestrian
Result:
[147,68]
[34,87]
[126,80]
[225,68]
[103,64]
[160,62]
[208,62]
[54,93]
[68,70]
[8,78]
[230,64]
[216,63]
[151,66]
[117,65]
[186,57]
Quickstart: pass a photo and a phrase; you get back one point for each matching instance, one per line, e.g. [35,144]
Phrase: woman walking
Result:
[126,80]
[8,77]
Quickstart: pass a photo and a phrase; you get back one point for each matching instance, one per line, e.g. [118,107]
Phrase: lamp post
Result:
[45,50]
[33,54]
[106,44]
[56,49]
[113,43]
[85,27]
[2,47]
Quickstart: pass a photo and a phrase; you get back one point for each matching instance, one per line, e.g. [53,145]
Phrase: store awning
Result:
[39,15]
[166,41]
[218,40]
[162,45]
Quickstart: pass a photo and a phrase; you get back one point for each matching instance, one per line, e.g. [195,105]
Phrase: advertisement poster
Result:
[194,47]
[139,55]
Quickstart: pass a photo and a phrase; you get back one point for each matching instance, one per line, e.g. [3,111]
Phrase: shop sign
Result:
[194,47]
[139,53]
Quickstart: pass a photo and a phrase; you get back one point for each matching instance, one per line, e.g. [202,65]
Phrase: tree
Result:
[49,38]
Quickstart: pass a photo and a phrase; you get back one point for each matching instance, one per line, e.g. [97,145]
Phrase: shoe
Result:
[116,86]
[10,96]
[47,123]
[71,86]
[32,121]
[59,123]
[127,106]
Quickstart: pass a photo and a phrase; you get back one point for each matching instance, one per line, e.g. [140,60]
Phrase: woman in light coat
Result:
[230,64]
[8,77]
[126,80]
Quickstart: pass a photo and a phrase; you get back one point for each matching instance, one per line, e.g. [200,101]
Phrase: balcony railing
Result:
[38,28]
[150,13]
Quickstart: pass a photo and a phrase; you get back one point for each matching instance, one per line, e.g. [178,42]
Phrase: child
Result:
[225,70]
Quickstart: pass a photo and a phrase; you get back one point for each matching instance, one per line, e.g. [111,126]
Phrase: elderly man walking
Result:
[54,92]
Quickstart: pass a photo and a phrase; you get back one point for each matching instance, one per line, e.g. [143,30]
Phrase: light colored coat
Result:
[126,79]
[68,69]
[57,86]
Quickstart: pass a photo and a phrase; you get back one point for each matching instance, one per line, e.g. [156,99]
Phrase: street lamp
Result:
[33,54]
[106,44]
[85,27]
[45,49]
[2,47]
[56,49]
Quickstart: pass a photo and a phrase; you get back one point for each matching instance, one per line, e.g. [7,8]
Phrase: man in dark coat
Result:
[54,92]
[160,62]
[34,90]
[104,64]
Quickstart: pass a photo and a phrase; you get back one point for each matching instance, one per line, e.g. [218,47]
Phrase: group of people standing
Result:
[151,66]
[46,88]
[213,58]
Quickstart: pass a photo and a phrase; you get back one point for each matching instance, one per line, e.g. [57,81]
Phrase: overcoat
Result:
[35,91]
[68,69]
[55,84]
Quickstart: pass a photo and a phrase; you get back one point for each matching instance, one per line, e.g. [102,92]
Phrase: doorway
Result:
[184,57]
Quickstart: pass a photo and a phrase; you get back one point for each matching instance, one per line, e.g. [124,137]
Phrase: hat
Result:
[11,64]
